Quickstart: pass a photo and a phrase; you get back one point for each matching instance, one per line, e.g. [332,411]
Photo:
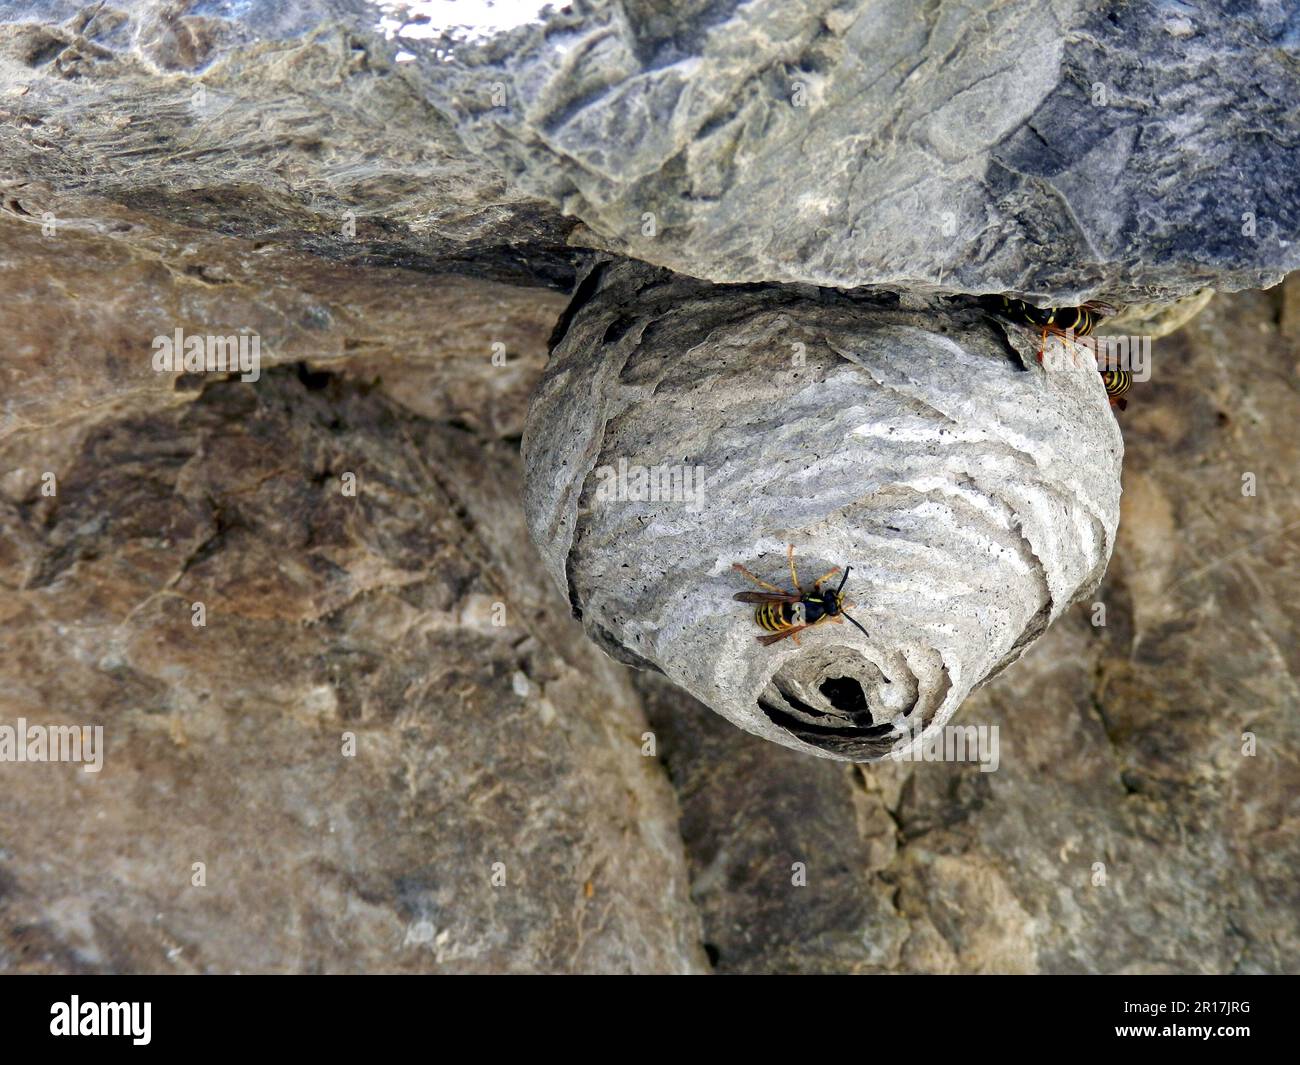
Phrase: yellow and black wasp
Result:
[1065,322]
[1117,383]
[1053,321]
[784,613]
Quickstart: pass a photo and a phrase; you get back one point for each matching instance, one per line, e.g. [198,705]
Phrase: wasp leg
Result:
[763,584]
[824,576]
[795,637]
[789,554]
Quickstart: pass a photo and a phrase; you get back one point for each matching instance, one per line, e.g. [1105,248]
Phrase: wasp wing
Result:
[776,636]
[766,597]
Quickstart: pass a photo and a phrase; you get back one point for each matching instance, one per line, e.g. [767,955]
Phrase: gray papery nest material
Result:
[681,428]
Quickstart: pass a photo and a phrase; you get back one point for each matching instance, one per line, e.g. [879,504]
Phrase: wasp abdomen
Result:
[1079,320]
[1117,382]
[775,616]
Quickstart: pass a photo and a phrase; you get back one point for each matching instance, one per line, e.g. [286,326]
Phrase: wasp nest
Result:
[681,428]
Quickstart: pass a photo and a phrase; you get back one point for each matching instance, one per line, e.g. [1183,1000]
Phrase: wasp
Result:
[1065,322]
[1117,383]
[784,613]
[1053,321]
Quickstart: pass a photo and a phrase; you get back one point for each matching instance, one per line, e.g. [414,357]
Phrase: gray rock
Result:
[280,122]
[681,428]
[1134,151]
[1059,154]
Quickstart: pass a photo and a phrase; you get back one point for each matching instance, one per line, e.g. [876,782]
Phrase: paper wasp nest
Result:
[682,427]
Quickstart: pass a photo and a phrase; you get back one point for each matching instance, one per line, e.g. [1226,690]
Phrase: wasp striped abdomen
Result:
[774,616]
[1117,383]
[1064,322]
[1079,320]
[783,614]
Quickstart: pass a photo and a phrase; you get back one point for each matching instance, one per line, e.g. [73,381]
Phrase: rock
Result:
[280,122]
[1105,150]
[451,347]
[495,812]
[681,429]
[792,883]
[396,219]
[1157,320]
[781,142]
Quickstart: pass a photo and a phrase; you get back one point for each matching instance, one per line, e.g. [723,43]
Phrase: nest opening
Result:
[821,697]
[847,696]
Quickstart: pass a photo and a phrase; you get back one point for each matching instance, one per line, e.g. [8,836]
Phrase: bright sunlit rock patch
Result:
[462,20]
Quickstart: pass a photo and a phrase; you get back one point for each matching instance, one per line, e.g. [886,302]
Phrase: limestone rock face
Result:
[283,122]
[1126,150]
[384,748]
[428,342]
[680,429]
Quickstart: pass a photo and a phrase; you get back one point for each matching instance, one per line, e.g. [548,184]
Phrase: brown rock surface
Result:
[84,303]
[484,734]
[520,744]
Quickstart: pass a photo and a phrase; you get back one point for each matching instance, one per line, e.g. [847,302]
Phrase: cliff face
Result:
[348,721]
[309,622]
[1062,151]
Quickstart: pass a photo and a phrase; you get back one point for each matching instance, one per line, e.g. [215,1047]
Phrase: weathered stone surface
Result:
[85,302]
[1097,149]
[973,492]
[275,121]
[476,743]
[1120,744]
[1157,320]
[1064,151]
[750,812]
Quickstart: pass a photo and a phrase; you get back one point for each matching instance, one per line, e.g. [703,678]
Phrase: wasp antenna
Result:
[860,628]
[843,579]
